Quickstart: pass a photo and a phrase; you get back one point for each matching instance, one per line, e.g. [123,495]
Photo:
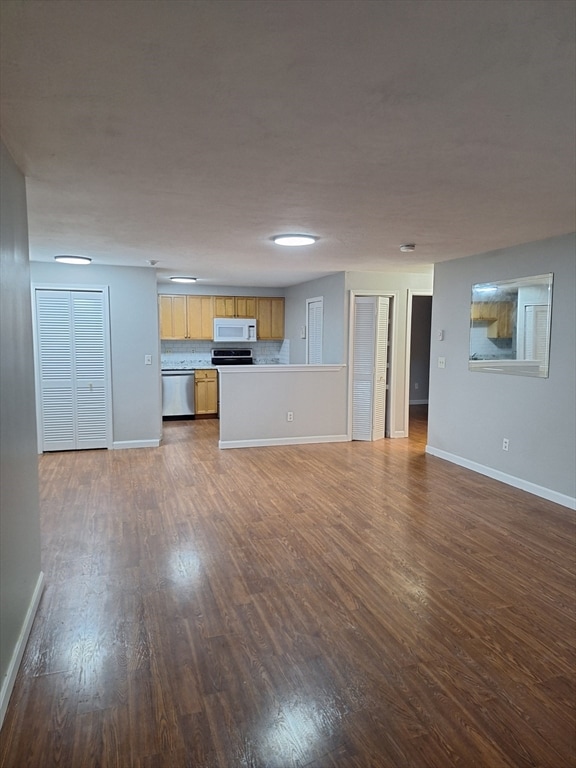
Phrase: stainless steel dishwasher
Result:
[178,393]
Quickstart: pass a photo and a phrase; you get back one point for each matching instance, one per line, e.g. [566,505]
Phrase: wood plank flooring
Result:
[348,605]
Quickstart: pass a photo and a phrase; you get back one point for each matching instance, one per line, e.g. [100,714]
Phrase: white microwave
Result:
[234,329]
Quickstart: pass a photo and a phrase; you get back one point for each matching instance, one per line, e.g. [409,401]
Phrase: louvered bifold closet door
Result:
[369,367]
[90,369]
[73,373]
[56,370]
[363,368]
[380,368]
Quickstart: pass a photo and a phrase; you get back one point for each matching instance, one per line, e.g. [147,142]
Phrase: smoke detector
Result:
[408,247]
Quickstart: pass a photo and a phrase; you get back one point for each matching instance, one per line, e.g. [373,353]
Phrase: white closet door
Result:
[72,355]
[369,367]
[56,370]
[380,368]
[535,332]
[90,369]
[314,322]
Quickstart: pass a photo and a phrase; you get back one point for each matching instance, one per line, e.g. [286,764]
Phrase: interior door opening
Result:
[418,357]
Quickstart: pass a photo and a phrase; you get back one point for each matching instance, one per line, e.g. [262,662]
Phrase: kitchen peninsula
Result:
[263,405]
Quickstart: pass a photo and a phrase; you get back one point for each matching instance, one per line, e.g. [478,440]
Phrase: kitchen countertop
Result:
[210,367]
[188,368]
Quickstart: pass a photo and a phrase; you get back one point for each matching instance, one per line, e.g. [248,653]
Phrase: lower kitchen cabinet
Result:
[206,392]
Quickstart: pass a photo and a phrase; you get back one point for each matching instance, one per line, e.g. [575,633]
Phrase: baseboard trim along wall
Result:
[20,647]
[121,444]
[262,443]
[495,474]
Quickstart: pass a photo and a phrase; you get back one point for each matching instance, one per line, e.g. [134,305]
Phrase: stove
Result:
[232,357]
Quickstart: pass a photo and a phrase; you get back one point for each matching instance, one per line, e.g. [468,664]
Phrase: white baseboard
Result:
[260,443]
[18,653]
[495,474]
[121,444]
[397,433]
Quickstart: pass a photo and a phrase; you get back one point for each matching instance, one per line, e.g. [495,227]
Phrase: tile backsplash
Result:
[187,354]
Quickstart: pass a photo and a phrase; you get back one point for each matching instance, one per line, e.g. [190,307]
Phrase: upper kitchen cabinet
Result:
[503,327]
[270,318]
[186,317]
[245,306]
[498,316]
[200,317]
[192,317]
[234,306]
[173,317]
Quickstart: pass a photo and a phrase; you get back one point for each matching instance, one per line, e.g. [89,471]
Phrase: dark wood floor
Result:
[348,605]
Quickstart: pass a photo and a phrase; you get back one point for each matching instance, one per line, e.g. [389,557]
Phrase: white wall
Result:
[20,574]
[136,388]
[194,289]
[254,403]
[332,289]
[471,412]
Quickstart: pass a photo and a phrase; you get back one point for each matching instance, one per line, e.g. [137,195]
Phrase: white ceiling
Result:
[191,132]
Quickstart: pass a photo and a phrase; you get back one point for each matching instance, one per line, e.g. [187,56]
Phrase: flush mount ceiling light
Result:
[73,259]
[183,279]
[293,241]
[408,247]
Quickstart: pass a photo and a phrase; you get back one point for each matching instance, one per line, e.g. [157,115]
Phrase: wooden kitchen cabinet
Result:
[270,317]
[205,392]
[173,317]
[192,317]
[245,306]
[497,314]
[224,306]
[502,327]
[234,306]
[186,317]
[483,310]
[200,313]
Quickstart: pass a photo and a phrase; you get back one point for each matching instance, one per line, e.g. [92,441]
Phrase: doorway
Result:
[418,338]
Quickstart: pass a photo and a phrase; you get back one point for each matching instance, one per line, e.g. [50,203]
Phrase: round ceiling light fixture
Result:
[183,279]
[408,247]
[64,259]
[294,241]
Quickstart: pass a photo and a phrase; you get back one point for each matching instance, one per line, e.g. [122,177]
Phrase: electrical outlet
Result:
[505,444]
[416,385]
[289,415]
[441,362]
